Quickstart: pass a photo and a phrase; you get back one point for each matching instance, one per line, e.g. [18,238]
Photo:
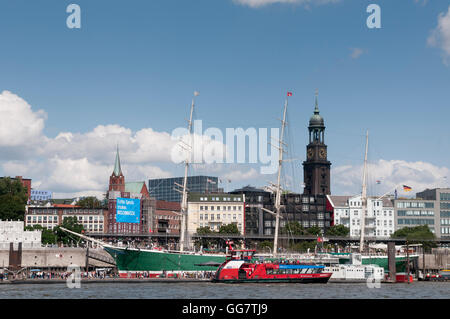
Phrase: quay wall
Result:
[55,257]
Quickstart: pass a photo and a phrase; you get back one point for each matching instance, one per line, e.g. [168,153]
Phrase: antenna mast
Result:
[186,167]
[278,196]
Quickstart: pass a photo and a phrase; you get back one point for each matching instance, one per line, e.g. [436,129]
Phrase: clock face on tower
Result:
[310,153]
[323,153]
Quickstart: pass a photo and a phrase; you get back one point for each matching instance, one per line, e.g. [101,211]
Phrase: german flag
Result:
[406,188]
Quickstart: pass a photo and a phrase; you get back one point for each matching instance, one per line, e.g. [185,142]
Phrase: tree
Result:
[316,231]
[229,229]
[293,228]
[338,230]
[204,230]
[48,236]
[70,223]
[203,241]
[89,202]
[304,245]
[417,235]
[13,198]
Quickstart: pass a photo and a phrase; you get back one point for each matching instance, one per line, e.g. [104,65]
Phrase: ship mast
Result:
[278,195]
[364,197]
[186,167]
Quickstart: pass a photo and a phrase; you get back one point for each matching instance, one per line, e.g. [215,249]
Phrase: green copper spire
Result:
[316,120]
[117,169]
[316,109]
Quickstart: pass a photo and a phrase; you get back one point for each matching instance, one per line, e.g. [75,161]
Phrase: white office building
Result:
[379,217]
[215,210]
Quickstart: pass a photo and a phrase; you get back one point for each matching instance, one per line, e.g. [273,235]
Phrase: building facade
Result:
[164,188]
[316,168]
[167,218]
[13,232]
[215,210]
[94,220]
[430,207]
[118,188]
[379,216]
[307,210]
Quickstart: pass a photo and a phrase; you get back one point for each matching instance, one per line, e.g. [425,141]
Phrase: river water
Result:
[207,290]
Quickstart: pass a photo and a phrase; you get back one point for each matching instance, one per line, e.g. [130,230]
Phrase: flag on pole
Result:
[378,182]
[289,93]
[406,188]
[196,93]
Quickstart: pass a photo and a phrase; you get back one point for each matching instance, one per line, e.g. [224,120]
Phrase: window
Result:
[201,216]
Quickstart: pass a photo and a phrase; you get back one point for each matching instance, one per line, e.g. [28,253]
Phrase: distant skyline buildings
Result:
[165,188]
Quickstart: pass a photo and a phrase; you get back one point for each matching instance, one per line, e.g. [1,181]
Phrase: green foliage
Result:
[204,230]
[338,230]
[90,202]
[417,235]
[70,223]
[229,229]
[316,231]
[264,244]
[48,236]
[13,198]
[293,228]
[304,245]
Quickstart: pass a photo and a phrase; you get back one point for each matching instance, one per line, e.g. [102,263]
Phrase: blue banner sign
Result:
[128,210]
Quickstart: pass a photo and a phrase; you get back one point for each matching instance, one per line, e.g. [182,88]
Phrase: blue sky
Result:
[135,65]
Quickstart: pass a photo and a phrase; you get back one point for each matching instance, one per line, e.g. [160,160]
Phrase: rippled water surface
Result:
[154,290]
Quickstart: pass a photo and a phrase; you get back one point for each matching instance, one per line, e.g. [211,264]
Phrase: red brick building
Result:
[167,218]
[118,188]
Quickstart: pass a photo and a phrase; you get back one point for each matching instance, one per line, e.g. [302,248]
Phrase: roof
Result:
[134,187]
[342,201]
[117,169]
[338,201]
[65,206]
[165,205]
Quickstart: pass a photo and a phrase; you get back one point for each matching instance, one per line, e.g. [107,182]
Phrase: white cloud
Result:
[73,163]
[261,3]
[241,175]
[440,36]
[19,124]
[347,179]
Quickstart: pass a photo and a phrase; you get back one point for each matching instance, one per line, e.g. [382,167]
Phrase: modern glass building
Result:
[441,198]
[165,188]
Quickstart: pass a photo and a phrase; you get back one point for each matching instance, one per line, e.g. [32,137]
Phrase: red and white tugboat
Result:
[239,268]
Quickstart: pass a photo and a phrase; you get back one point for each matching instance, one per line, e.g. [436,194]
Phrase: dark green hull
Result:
[132,261]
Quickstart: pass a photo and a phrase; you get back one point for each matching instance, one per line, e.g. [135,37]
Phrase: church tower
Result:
[316,168]
[117,180]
